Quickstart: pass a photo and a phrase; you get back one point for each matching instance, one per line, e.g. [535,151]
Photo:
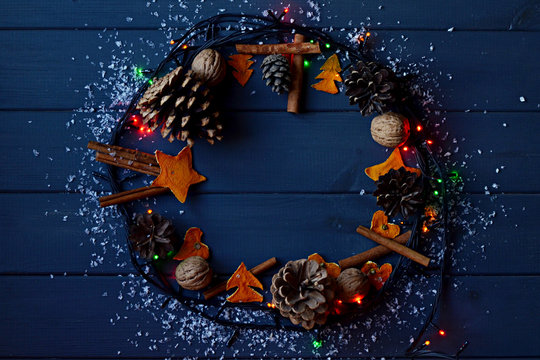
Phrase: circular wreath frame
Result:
[243,28]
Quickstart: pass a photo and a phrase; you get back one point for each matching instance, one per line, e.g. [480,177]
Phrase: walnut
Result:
[352,285]
[209,66]
[194,273]
[390,129]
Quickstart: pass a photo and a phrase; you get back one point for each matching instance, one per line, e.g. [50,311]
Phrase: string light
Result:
[436,193]
[427,343]
[156,257]
[306,63]
[286,10]
[312,41]
[425,229]
[419,128]
[360,39]
[327,45]
[429,142]
[405,148]
[138,71]
[442,332]
[454,176]
[150,81]
[172,42]
[368,34]
[439,181]
[185,46]
[271,306]
[149,211]
[317,344]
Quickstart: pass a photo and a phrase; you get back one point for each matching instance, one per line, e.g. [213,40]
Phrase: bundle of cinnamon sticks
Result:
[128,159]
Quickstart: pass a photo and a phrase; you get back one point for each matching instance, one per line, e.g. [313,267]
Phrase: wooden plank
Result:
[44,67]
[82,323]
[251,227]
[315,152]
[463,15]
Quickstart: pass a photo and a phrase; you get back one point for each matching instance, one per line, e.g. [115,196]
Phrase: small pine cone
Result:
[276,71]
[303,292]
[183,106]
[399,191]
[372,86]
[151,235]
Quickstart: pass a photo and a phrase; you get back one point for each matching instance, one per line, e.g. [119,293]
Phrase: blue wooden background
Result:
[279,185]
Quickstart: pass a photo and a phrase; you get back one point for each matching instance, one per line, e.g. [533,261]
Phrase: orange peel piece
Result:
[193,246]
[177,173]
[394,162]
[332,269]
[241,64]
[377,276]
[380,225]
[243,280]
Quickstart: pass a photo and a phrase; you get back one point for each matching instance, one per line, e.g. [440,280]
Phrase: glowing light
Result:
[148,130]
[149,211]
[138,71]
[156,257]
[317,344]
[150,81]
[172,42]
[358,299]
[185,46]
[312,41]
[361,39]
[339,302]
[368,34]
[419,128]
[141,128]
[427,343]
[439,181]
[442,332]
[429,142]
[425,229]
[454,176]
[286,10]
[405,148]
[134,118]
[436,193]
[327,45]
[271,306]
[306,63]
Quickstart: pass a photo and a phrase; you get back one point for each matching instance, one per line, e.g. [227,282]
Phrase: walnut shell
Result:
[209,66]
[390,129]
[194,273]
[352,284]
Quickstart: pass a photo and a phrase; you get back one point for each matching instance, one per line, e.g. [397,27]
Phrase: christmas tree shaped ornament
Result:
[372,87]
[244,281]
[183,106]
[303,291]
[241,64]
[276,72]
[331,69]
[152,236]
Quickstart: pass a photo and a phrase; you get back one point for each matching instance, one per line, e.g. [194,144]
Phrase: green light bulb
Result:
[439,181]
[436,193]
[312,41]
[306,63]
[150,81]
[156,257]
[317,344]
[327,45]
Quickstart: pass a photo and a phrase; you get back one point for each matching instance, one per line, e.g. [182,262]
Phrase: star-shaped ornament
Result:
[177,173]
[394,161]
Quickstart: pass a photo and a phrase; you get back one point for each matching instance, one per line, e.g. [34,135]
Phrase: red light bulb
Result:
[405,148]
[429,142]
[442,332]
[419,128]
[286,10]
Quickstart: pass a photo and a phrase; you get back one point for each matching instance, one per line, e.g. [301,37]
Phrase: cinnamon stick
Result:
[288,48]
[131,195]
[394,246]
[118,151]
[373,253]
[221,287]
[297,75]
[134,165]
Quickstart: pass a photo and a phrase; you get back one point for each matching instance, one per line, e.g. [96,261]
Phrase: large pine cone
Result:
[399,191]
[183,105]
[303,292]
[152,235]
[276,71]
[372,86]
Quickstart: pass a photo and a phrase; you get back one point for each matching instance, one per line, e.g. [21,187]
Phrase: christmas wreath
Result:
[181,102]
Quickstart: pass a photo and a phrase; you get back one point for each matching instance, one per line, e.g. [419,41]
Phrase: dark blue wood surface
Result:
[279,185]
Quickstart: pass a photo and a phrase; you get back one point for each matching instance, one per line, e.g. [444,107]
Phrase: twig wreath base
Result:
[225,31]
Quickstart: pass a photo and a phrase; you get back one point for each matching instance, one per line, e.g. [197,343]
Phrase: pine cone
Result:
[276,71]
[399,191]
[372,86]
[303,292]
[152,235]
[183,105]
